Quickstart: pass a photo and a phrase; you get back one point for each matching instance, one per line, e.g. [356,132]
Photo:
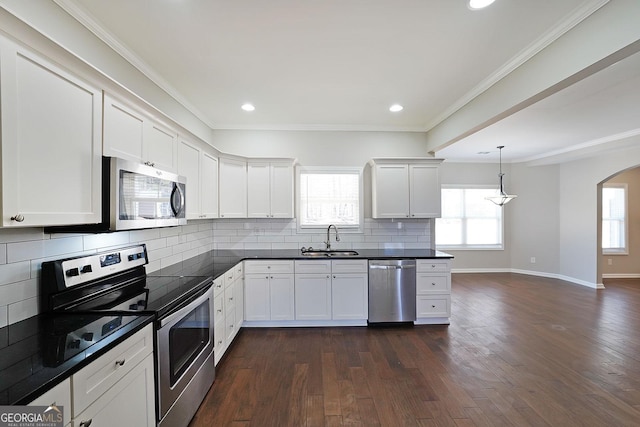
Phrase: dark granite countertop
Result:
[217,262]
[34,358]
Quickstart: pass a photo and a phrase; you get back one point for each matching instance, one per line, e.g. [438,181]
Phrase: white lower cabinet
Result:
[313,296]
[118,388]
[350,296]
[433,291]
[228,303]
[268,291]
[59,396]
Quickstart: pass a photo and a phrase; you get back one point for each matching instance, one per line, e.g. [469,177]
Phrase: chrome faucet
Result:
[328,242]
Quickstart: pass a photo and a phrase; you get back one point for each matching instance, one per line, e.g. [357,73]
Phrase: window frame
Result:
[624,250]
[474,247]
[351,170]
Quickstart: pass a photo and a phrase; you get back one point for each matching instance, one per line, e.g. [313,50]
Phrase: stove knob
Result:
[72,272]
[87,336]
[133,307]
[74,344]
[142,304]
[86,269]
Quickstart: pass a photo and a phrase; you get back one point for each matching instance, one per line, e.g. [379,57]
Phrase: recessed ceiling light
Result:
[479,4]
[395,108]
[248,107]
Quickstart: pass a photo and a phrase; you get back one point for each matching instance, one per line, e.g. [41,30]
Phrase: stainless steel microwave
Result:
[142,196]
[135,196]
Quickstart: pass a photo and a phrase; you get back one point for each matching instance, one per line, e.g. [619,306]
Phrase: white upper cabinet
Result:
[131,133]
[209,186]
[405,188]
[201,171]
[233,188]
[270,189]
[51,129]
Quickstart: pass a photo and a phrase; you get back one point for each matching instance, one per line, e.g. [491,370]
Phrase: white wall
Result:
[322,148]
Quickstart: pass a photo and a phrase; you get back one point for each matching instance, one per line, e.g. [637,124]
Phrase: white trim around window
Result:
[329,195]
[615,214]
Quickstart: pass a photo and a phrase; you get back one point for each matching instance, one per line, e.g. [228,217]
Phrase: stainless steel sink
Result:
[325,254]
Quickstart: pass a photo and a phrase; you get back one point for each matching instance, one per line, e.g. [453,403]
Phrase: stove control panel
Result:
[87,268]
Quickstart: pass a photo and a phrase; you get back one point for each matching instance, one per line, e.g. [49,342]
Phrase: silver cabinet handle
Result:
[120,362]
[17,218]
[86,423]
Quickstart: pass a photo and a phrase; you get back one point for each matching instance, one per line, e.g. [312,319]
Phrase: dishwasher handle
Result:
[391,267]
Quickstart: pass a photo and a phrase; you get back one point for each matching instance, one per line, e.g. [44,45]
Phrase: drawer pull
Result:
[231,299]
[433,284]
[219,311]
[433,266]
[433,306]
[118,363]
[86,423]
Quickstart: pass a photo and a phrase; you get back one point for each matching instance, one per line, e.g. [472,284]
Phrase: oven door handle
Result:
[189,305]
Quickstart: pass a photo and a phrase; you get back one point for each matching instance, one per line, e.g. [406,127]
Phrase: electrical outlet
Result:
[533,260]
[609,261]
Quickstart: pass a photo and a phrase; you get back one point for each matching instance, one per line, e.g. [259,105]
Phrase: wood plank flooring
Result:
[520,351]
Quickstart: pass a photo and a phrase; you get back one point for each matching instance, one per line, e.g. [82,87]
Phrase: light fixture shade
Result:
[479,4]
[502,198]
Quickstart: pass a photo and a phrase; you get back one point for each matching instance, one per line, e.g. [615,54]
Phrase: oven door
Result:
[185,343]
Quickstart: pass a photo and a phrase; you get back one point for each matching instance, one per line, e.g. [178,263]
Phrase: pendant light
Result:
[502,198]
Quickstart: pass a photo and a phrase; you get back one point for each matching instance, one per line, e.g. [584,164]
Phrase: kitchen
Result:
[566,247]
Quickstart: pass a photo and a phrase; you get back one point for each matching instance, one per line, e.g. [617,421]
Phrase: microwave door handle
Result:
[177,208]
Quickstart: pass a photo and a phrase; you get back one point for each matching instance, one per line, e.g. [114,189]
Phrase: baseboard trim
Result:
[621,276]
[530,273]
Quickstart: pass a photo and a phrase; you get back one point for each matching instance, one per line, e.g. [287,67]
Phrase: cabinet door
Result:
[391,191]
[258,190]
[281,296]
[424,189]
[60,396]
[51,131]
[130,402]
[209,186]
[349,296]
[313,296]
[257,303]
[238,296]
[189,166]
[160,146]
[233,188]
[281,190]
[123,131]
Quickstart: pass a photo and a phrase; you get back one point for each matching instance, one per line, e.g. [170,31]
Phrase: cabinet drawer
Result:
[233,274]
[427,265]
[313,267]
[94,380]
[218,309]
[229,301]
[432,283]
[219,340]
[349,266]
[433,306]
[218,285]
[252,267]
[230,326]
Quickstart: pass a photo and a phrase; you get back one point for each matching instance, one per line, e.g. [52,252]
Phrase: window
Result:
[469,221]
[614,213]
[330,196]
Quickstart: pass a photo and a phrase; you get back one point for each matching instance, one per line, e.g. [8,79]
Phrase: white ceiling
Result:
[340,64]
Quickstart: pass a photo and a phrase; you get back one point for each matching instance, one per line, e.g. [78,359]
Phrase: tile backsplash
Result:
[22,251]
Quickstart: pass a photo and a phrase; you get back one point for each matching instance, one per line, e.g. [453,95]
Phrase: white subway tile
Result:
[156,244]
[11,235]
[153,266]
[3,253]
[170,231]
[284,246]
[183,247]
[205,225]
[189,228]
[266,246]
[271,239]
[15,272]
[172,241]
[158,254]
[141,236]
[22,310]
[226,232]
[170,260]
[19,291]
[106,240]
[392,246]
[23,251]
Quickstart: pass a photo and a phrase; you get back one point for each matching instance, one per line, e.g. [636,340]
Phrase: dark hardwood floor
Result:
[520,351]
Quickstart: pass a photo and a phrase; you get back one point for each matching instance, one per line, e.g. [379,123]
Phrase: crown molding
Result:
[89,22]
[573,19]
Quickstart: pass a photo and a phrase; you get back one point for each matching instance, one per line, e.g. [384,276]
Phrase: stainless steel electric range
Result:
[115,284]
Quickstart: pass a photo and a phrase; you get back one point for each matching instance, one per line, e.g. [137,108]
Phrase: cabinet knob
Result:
[433,306]
[267,277]
[433,284]
[231,299]
[17,218]
[86,423]
[271,277]
[413,214]
[120,362]
[221,215]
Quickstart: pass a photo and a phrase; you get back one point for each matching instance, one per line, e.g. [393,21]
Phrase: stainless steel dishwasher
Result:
[392,290]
